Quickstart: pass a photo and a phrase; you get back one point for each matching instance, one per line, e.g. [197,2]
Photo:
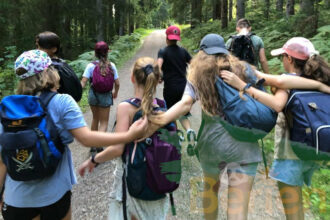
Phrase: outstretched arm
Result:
[123,123]
[292,82]
[180,108]
[276,102]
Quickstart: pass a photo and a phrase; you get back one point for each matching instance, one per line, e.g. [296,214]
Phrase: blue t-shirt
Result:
[66,115]
[88,73]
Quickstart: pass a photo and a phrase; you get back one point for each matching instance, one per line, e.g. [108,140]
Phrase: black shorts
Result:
[56,211]
[173,95]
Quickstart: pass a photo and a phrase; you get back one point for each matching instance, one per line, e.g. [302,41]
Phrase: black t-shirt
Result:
[174,66]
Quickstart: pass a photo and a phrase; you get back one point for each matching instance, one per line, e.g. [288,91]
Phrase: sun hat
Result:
[33,61]
[173,33]
[101,47]
[297,47]
[213,44]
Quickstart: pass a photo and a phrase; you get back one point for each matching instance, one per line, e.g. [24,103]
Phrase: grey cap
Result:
[213,44]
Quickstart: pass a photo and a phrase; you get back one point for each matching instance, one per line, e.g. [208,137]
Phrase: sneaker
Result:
[191,135]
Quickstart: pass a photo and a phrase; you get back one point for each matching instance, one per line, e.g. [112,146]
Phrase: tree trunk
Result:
[279,6]
[240,9]
[307,7]
[267,6]
[224,14]
[217,9]
[196,12]
[327,4]
[99,9]
[289,8]
[230,10]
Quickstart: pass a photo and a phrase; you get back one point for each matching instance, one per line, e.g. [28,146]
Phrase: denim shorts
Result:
[100,99]
[293,172]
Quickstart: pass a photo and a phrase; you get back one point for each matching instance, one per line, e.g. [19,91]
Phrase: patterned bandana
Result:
[33,61]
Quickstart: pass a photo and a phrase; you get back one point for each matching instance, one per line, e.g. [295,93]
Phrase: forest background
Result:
[124,23]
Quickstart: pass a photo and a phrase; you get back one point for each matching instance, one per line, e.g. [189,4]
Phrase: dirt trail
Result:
[90,196]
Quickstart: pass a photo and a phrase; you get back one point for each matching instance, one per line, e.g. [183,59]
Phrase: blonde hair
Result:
[202,74]
[148,81]
[46,80]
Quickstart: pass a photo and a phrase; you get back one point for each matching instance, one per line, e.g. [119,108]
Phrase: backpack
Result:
[31,145]
[69,82]
[242,47]
[308,116]
[100,83]
[246,120]
[152,166]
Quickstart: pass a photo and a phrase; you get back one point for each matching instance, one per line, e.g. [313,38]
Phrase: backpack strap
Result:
[45,98]
[134,101]
[172,204]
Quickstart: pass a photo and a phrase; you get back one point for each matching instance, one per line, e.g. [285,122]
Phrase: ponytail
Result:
[146,73]
[318,69]
[104,64]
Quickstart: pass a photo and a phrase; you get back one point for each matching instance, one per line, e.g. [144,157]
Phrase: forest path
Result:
[91,195]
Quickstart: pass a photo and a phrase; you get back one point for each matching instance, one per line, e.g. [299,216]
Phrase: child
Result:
[216,148]
[145,78]
[100,102]
[69,83]
[173,61]
[299,58]
[49,198]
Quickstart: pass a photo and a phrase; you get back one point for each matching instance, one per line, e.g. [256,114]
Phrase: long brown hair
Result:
[314,68]
[202,74]
[146,73]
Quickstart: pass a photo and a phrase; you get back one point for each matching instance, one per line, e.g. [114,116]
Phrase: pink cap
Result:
[297,47]
[173,33]
[101,47]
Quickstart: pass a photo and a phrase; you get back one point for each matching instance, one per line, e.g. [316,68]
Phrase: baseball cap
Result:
[297,47]
[101,47]
[33,61]
[213,44]
[173,33]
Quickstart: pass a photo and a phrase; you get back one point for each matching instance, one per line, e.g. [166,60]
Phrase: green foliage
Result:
[321,41]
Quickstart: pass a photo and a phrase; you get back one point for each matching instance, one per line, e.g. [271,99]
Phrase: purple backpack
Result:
[153,166]
[102,83]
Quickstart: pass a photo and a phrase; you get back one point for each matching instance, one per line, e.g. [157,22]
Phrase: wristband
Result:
[248,85]
[93,160]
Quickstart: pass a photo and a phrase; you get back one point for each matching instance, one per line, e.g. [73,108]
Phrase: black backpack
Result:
[69,82]
[31,145]
[242,47]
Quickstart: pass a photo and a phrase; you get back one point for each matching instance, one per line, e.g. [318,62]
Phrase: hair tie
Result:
[313,53]
[148,69]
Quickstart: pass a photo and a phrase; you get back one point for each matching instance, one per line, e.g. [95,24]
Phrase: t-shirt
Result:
[174,66]
[88,73]
[257,45]
[66,115]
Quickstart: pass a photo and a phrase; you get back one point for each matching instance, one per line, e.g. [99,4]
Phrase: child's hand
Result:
[86,165]
[114,95]
[232,79]
[138,128]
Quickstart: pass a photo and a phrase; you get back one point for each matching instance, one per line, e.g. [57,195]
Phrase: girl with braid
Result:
[145,78]
[100,102]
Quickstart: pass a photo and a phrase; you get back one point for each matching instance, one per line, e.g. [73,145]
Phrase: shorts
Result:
[293,172]
[172,96]
[100,99]
[56,211]
[249,169]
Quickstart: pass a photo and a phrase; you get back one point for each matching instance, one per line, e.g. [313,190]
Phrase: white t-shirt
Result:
[88,73]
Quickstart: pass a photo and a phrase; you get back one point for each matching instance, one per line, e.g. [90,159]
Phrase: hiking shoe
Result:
[181,135]
[191,136]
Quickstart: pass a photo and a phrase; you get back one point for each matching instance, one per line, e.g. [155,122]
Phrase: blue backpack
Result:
[249,120]
[308,116]
[31,147]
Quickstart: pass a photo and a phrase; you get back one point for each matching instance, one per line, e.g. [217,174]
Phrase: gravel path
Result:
[90,197]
